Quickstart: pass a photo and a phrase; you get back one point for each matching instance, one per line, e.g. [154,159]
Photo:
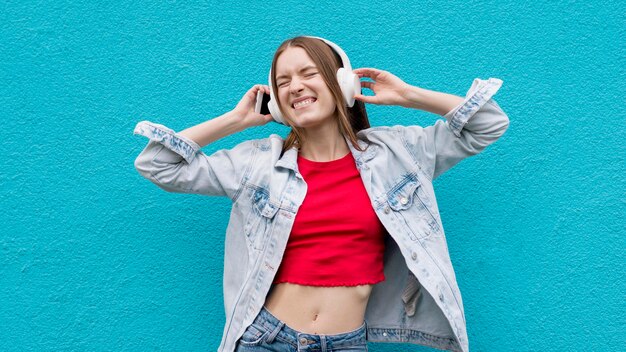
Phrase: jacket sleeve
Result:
[467,130]
[176,163]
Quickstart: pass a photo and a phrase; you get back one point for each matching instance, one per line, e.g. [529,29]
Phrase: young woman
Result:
[335,229]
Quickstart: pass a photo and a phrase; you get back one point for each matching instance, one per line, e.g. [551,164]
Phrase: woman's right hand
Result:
[245,109]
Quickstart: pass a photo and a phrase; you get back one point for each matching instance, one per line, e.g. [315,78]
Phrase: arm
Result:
[174,162]
[214,129]
[431,101]
[470,125]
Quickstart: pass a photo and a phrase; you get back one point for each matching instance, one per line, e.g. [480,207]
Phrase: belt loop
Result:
[275,332]
[323,341]
[366,330]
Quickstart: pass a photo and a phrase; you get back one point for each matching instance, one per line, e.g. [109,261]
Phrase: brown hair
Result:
[350,119]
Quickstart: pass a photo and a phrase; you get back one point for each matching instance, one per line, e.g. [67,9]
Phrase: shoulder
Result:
[258,143]
[386,131]
[261,148]
[384,135]
[395,139]
[268,143]
[377,130]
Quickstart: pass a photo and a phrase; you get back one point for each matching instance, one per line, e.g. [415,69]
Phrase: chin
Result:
[309,120]
[304,123]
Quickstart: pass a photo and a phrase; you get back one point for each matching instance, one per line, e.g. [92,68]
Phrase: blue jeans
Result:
[268,333]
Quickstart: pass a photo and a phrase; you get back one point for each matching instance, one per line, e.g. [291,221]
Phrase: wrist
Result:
[234,120]
[413,97]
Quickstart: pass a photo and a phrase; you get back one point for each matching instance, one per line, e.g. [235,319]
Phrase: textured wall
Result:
[96,258]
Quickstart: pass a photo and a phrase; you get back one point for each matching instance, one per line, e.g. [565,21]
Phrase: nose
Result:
[295,86]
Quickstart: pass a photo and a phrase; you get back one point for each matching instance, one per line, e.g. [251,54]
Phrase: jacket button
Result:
[404,200]
[386,210]
[414,255]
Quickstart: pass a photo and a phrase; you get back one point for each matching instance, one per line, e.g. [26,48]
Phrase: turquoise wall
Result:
[96,258]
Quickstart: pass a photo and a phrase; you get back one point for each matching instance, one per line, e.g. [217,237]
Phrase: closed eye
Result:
[307,75]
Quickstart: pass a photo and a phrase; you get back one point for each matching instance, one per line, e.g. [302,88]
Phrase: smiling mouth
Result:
[300,107]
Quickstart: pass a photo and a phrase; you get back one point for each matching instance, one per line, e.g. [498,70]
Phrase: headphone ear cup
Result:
[350,84]
[275,111]
[355,88]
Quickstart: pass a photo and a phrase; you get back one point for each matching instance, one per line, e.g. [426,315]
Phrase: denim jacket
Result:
[419,302]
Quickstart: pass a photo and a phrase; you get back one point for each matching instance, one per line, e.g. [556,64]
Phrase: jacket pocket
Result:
[260,220]
[411,204]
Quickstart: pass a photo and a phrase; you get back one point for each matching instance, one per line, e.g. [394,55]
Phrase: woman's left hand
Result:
[388,88]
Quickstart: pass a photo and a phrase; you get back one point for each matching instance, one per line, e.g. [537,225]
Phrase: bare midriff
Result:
[318,309]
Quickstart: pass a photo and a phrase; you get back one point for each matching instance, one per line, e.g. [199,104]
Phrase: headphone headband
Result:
[338,50]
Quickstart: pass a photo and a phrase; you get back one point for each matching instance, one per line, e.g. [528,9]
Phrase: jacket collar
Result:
[289,159]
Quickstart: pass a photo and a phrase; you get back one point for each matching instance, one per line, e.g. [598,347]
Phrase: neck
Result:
[324,143]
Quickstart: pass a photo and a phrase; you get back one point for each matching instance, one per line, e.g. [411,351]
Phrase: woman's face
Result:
[297,77]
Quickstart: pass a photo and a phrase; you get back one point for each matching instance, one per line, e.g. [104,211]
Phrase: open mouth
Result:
[304,104]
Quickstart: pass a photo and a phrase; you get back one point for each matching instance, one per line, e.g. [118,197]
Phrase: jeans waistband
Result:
[278,329]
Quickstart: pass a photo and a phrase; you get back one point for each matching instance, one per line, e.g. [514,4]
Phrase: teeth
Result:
[304,102]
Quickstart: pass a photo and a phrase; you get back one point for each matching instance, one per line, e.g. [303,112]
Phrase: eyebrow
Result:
[302,69]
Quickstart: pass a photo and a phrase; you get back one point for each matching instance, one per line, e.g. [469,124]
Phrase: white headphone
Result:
[348,81]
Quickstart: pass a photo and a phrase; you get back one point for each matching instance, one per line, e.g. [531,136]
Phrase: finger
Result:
[367,71]
[364,70]
[367,84]
[252,90]
[364,98]
[264,88]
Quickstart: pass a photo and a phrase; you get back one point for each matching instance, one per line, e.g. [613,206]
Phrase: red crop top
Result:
[337,238]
